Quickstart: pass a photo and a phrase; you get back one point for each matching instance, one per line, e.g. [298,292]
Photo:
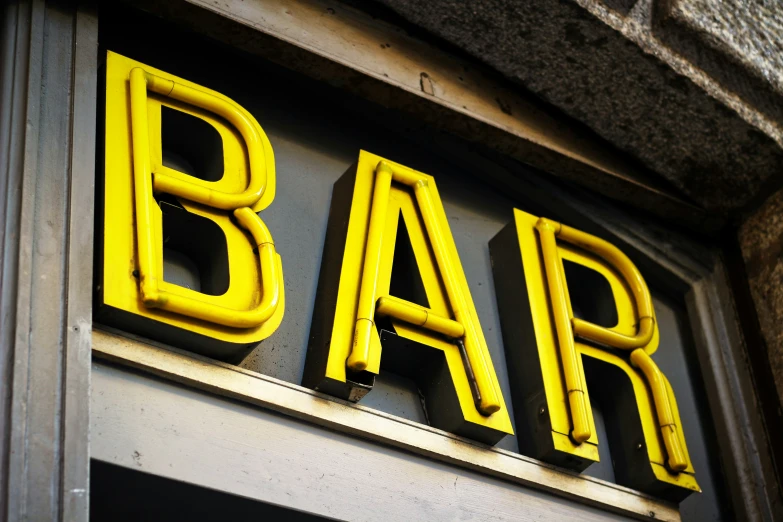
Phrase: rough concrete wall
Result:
[761,240]
[736,43]
[750,31]
[641,76]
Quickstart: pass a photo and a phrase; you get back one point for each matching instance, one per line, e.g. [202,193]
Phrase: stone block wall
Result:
[761,242]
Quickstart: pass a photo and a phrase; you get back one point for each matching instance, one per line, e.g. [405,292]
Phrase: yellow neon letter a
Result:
[367,318]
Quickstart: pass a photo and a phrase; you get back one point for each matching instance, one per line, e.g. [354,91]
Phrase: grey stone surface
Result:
[750,31]
[761,240]
[609,68]
[737,43]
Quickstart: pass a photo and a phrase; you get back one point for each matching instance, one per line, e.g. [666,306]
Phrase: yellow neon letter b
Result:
[162,204]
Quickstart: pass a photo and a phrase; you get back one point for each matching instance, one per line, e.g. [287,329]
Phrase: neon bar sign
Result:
[392,293]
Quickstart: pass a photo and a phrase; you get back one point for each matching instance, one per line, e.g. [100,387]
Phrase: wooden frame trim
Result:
[302,403]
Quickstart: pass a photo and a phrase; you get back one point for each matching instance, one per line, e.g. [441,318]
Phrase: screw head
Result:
[541,410]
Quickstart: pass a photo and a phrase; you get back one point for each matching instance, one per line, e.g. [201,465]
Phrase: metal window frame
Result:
[47,172]
[51,43]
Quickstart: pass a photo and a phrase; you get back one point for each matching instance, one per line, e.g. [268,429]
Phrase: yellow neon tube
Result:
[615,257]
[419,316]
[550,230]
[577,403]
[360,354]
[270,288]
[140,82]
[489,402]
[271,271]
[657,381]
[142,176]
